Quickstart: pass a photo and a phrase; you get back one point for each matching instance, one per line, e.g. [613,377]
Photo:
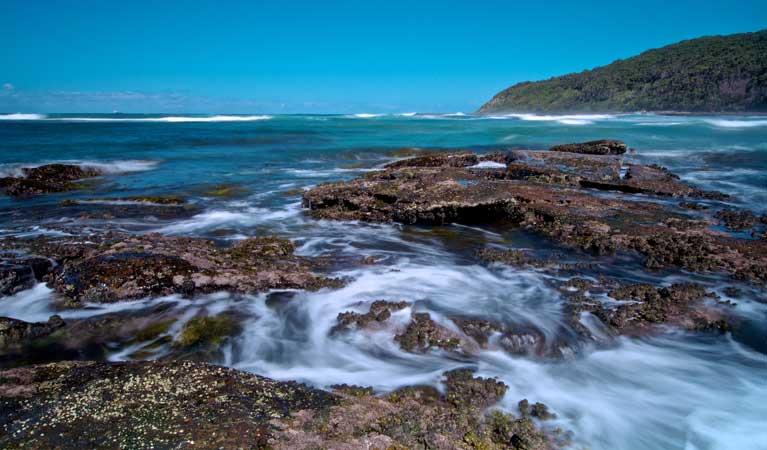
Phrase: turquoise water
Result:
[675,390]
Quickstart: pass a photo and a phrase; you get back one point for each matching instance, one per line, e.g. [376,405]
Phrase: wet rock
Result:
[423,334]
[416,417]
[601,147]
[537,410]
[114,267]
[16,333]
[455,159]
[207,331]
[380,311]
[464,391]
[648,305]
[693,206]
[162,405]
[478,329]
[18,273]
[561,168]
[46,179]
[558,210]
[737,220]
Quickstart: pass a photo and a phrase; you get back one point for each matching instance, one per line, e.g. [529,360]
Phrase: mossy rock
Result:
[207,330]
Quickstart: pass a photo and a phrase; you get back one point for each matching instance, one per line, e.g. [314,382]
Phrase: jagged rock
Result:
[601,147]
[46,179]
[380,311]
[423,334]
[114,267]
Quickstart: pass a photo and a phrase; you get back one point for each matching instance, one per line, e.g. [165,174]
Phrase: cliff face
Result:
[707,74]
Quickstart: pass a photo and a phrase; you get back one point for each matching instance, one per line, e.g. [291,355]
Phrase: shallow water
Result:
[671,390]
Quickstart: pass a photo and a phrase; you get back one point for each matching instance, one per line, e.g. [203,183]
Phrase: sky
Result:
[323,56]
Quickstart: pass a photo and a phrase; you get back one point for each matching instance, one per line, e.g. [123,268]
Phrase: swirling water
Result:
[671,390]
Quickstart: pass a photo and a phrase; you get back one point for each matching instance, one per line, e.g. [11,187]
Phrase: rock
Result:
[737,220]
[18,273]
[46,179]
[416,417]
[452,159]
[380,311]
[158,404]
[559,207]
[567,166]
[423,334]
[205,330]
[601,147]
[114,267]
[16,333]
[172,404]
[537,410]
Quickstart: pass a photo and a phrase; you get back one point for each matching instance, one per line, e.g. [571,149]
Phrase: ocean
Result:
[243,176]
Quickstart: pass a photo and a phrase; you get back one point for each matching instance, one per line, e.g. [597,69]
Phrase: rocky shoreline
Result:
[583,197]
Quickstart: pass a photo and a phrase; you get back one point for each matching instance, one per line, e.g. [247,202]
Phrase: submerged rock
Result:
[47,179]
[601,147]
[114,267]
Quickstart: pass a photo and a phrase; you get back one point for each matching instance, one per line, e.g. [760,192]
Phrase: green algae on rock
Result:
[206,330]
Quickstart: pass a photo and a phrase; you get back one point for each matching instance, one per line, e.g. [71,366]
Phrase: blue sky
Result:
[322,56]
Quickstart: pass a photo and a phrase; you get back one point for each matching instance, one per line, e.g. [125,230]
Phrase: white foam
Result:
[568,119]
[169,119]
[727,123]
[20,116]
[366,115]
[408,114]
[488,165]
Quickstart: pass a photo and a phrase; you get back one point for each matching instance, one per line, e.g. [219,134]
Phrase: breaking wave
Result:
[20,116]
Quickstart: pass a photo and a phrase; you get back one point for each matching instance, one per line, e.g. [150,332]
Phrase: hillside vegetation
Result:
[707,74]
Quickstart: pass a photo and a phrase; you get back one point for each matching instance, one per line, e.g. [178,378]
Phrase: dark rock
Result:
[601,147]
[46,179]
[16,333]
[737,220]
[20,273]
